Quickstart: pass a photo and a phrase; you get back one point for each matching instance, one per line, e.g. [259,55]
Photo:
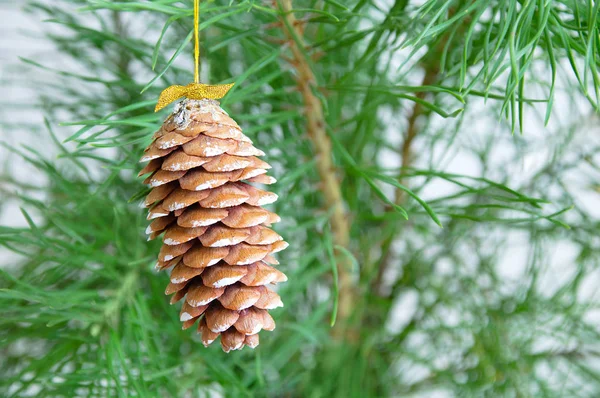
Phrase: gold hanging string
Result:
[195,90]
[196,41]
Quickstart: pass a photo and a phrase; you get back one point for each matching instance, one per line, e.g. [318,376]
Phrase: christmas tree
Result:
[437,168]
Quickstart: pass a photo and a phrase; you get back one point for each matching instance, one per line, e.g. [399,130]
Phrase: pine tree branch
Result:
[317,134]
[432,70]
[412,130]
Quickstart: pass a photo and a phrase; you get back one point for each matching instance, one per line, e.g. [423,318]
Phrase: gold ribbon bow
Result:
[192,91]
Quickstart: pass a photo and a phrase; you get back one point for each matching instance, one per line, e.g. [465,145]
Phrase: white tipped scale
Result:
[267,199]
[157,214]
[185,317]
[225,282]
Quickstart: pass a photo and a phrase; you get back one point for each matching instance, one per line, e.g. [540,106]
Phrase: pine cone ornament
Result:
[216,235]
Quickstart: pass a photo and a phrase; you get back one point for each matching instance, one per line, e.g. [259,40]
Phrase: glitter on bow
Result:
[194,91]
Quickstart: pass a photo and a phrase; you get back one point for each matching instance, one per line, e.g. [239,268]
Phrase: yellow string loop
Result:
[196,41]
[194,90]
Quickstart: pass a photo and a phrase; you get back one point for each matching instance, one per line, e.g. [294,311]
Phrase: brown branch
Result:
[431,67]
[412,131]
[330,185]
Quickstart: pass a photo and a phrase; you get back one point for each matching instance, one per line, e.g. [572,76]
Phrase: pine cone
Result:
[216,234]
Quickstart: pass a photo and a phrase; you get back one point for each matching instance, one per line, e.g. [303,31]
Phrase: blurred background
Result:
[479,117]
